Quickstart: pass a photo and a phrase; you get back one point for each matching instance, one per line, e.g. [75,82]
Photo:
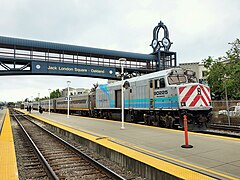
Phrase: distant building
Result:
[73,91]
[198,68]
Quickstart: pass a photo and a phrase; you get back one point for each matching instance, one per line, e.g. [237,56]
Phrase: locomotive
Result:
[161,99]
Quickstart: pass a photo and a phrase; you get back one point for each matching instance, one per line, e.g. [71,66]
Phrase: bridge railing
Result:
[87,59]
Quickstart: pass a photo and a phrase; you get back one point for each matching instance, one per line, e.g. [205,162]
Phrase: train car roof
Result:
[144,77]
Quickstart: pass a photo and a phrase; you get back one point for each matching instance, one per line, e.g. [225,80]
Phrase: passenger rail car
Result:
[77,104]
[35,105]
[45,104]
[80,104]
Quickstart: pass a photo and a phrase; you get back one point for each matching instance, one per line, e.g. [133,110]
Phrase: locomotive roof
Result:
[146,76]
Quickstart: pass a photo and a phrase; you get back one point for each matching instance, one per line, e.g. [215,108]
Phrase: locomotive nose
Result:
[194,96]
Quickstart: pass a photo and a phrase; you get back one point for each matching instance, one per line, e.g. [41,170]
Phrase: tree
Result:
[93,89]
[11,104]
[224,72]
[44,98]
[55,94]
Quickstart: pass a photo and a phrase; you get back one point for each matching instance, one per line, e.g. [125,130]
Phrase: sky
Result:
[197,28]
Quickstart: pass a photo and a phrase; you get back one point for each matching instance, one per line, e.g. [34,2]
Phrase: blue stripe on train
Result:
[161,102]
[157,105]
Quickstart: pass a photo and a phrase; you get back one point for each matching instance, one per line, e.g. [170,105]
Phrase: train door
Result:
[118,98]
[151,93]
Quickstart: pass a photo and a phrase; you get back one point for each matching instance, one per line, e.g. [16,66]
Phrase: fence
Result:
[220,105]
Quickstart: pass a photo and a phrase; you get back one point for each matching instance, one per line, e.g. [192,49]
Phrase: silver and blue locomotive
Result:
[160,98]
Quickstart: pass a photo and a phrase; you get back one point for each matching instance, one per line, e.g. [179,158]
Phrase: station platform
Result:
[8,167]
[212,157]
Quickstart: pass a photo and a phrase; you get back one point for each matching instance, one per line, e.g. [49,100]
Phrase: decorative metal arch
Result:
[164,43]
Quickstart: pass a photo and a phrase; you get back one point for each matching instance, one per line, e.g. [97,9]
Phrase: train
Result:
[160,98]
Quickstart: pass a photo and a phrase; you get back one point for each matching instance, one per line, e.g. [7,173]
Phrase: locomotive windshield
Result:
[176,79]
[180,76]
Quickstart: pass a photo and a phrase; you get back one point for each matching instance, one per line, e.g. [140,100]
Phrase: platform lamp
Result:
[23,104]
[38,101]
[226,96]
[122,61]
[68,82]
[27,102]
[49,101]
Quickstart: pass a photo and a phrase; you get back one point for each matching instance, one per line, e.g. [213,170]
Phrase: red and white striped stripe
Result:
[195,95]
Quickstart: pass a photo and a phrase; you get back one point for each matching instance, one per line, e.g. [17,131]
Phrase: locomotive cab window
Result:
[159,83]
[176,79]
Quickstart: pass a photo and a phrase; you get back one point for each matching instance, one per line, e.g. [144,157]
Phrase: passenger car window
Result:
[162,83]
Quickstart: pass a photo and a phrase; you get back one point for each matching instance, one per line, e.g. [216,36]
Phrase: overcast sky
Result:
[197,28]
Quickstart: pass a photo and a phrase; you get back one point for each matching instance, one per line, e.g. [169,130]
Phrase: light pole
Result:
[227,102]
[31,100]
[68,82]
[49,101]
[23,104]
[38,101]
[27,103]
[122,61]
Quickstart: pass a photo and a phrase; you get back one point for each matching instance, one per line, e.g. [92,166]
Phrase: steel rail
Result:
[51,174]
[225,127]
[95,163]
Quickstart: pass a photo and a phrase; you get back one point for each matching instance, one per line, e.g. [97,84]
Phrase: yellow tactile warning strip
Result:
[175,170]
[8,168]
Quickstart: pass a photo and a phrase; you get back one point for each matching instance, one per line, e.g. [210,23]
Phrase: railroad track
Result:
[225,127]
[223,130]
[48,156]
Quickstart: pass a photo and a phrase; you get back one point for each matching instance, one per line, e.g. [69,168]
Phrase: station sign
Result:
[48,68]
[67,98]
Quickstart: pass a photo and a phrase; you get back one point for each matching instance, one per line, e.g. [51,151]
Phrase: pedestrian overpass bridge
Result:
[30,57]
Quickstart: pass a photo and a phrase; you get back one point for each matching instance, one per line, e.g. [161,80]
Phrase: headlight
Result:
[183,103]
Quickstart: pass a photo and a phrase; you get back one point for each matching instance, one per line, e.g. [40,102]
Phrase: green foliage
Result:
[224,72]
[55,94]
[11,104]
[93,89]
[44,98]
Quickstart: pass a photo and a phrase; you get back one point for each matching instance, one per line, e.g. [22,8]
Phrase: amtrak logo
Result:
[38,66]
